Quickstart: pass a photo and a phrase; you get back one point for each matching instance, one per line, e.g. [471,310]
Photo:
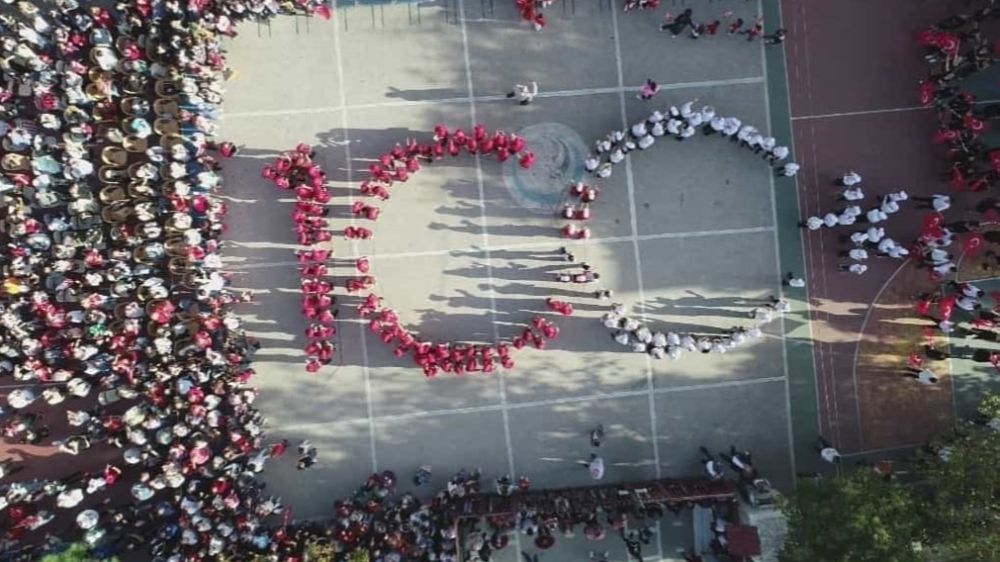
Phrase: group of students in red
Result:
[436,357]
[586,195]
[531,11]
[397,165]
[955,49]
[295,171]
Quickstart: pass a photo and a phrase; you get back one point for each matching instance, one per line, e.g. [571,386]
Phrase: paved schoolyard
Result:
[465,250]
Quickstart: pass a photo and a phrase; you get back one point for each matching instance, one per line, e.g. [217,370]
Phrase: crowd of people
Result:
[114,302]
[871,237]
[531,11]
[731,25]
[956,48]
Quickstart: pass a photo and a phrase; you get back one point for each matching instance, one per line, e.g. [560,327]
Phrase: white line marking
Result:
[345,129]
[541,403]
[883,450]
[777,262]
[865,112]
[465,99]
[471,99]
[634,223]
[857,347]
[526,245]
[818,354]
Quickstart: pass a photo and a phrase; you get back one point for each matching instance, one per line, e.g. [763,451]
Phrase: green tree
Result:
[77,552]
[963,489]
[989,408]
[857,517]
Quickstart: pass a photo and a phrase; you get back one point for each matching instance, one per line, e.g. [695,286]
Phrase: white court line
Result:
[491,294]
[857,346]
[633,223]
[867,112]
[807,314]
[354,243]
[877,111]
[539,403]
[777,264]
[883,450]
[466,99]
[527,245]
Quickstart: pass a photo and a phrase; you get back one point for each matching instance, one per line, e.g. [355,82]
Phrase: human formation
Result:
[115,301]
[295,171]
[678,123]
[393,169]
[682,123]
[869,224]
[630,332]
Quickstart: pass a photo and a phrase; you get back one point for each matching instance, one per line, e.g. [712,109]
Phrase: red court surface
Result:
[853,69]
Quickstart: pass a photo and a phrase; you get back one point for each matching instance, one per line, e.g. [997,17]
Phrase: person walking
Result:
[524,94]
[776,38]
[423,475]
[939,203]
[850,179]
[791,280]
[788,170]
[713,469]
[595,465]
[597,435]
[679,23]
[923,376]
[648,90]
[827,451]
[855,268]
[307,455]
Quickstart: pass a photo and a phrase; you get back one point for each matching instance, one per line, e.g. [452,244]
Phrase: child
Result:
[648,90]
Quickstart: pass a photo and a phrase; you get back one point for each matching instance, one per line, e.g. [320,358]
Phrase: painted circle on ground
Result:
[559,153]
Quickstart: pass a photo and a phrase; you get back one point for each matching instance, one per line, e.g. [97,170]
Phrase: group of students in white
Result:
[682,123]
[630,333]
[872,238]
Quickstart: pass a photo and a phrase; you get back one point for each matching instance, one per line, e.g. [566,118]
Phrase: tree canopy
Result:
[857,517]
[947,510]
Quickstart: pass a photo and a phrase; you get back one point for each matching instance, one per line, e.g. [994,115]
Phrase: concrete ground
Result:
[685,233]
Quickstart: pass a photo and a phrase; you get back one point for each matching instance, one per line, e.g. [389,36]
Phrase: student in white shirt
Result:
[812,223]
[595,466]
[853,194]
[855,268]
[850,179]
[924,376]
[875,233]
[875,216]
[938,202]
[857,254]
